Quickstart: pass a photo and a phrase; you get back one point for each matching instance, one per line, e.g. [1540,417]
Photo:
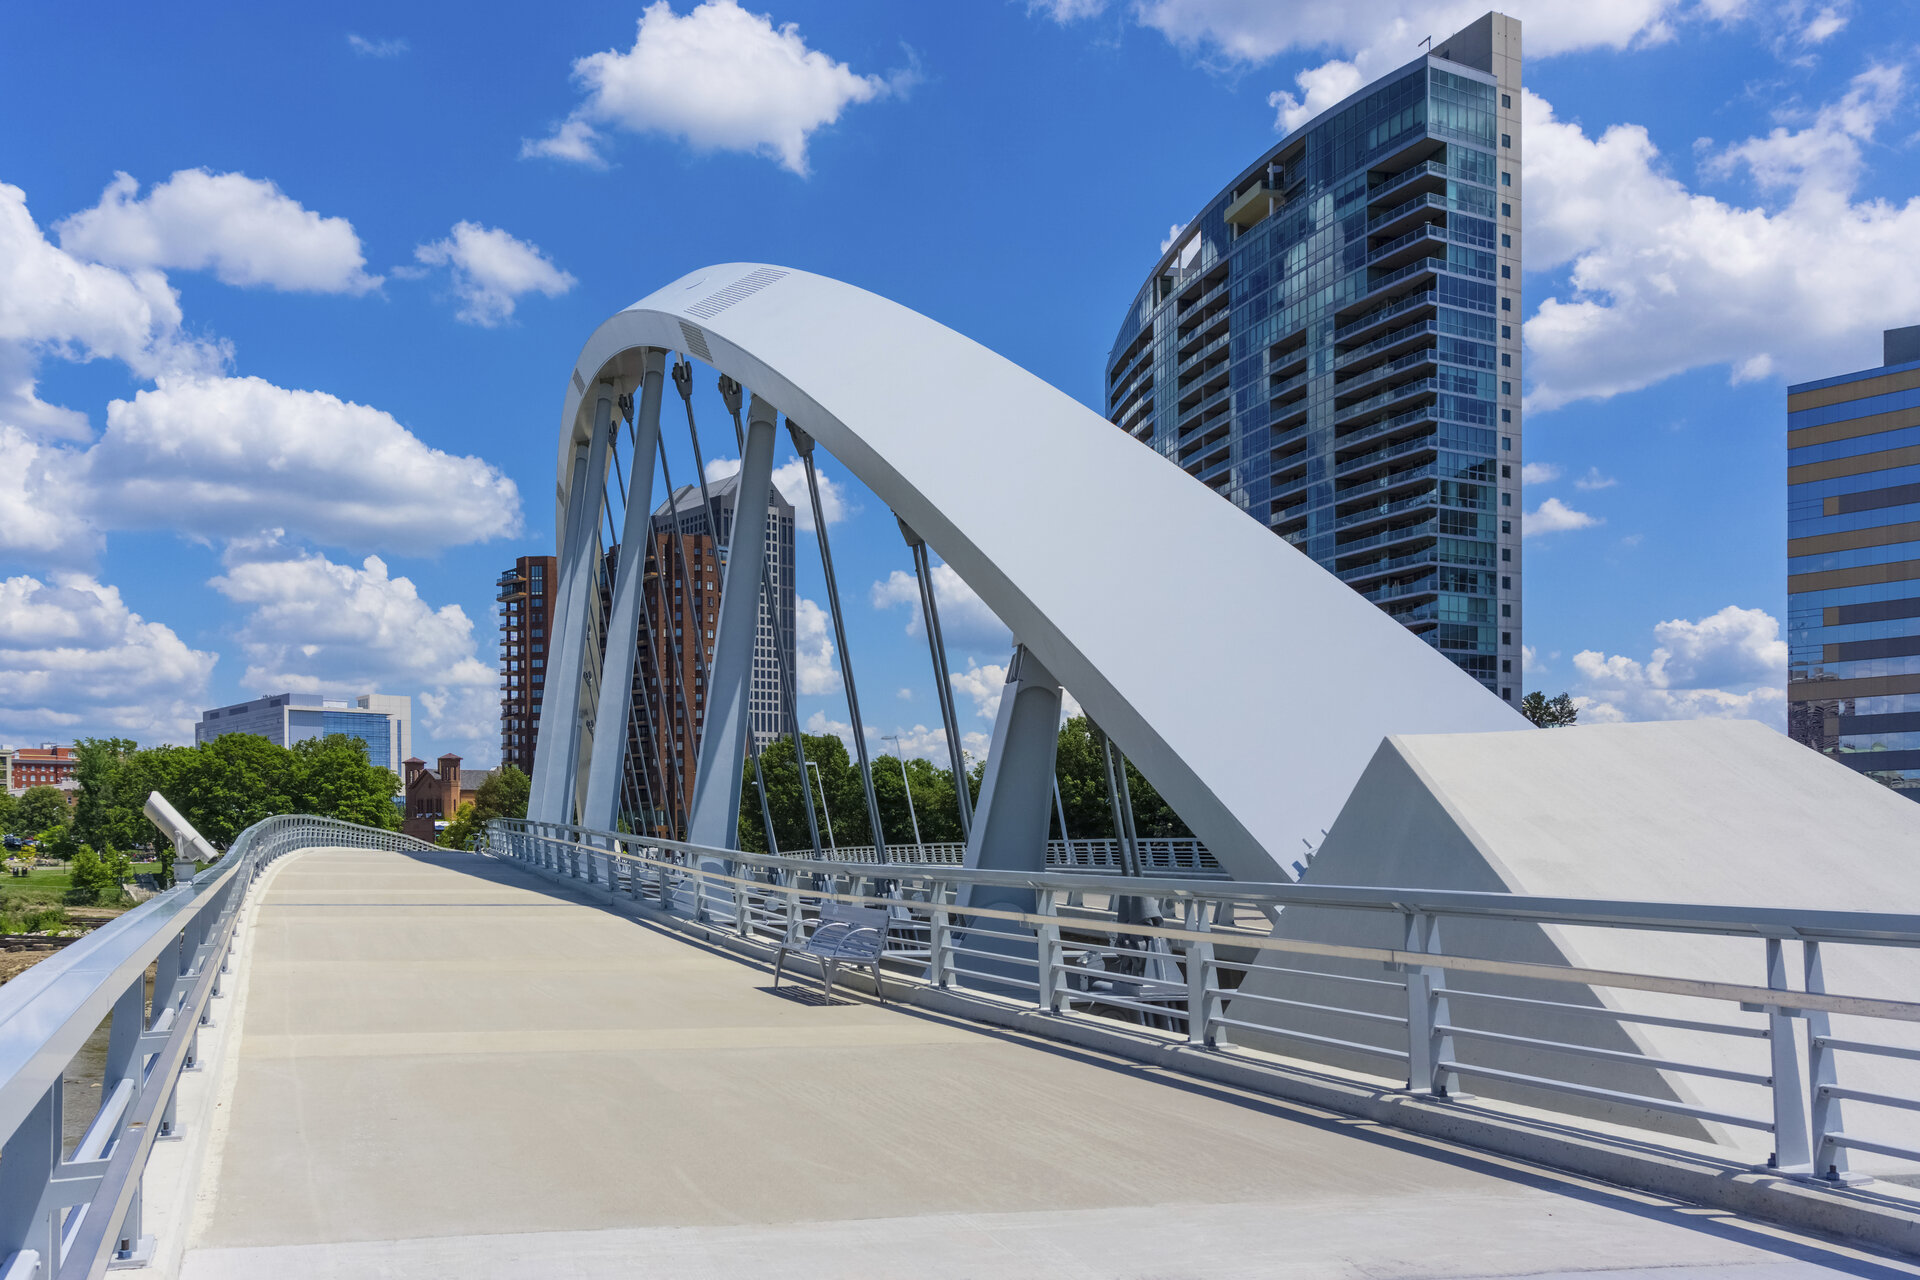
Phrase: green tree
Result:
[1079,764]
[106,811]
[1549,713]
[503,795]
[98,878]
[38,809]
[57,842]
[331,777]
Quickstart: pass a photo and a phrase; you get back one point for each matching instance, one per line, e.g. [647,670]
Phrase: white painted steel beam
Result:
[1247,683]
[716,785]
[608,763]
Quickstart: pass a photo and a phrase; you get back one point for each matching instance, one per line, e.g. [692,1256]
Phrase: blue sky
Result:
[329,311]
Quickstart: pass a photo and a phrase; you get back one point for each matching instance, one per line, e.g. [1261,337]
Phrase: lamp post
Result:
[907,787]
[814,768]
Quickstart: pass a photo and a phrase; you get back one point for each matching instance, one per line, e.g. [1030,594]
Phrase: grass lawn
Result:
[47,887]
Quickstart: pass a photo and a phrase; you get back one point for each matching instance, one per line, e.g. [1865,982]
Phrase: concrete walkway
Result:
[446,1070]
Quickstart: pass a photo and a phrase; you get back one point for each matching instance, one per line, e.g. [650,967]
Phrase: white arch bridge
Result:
[594,1048]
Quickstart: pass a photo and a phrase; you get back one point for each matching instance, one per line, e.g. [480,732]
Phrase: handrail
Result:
[49,1012]
[1164,963]
[1872,927]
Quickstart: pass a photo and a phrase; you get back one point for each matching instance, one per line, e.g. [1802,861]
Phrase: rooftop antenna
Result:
[1429,43]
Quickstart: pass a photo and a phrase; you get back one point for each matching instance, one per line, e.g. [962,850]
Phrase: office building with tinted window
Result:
[1333,345]
[383,722]
[1853,565]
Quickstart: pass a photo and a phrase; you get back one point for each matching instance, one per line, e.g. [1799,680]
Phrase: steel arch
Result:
[1248,683]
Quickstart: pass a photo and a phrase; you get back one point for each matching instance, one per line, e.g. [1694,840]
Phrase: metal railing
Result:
[75,1215]
[1200,962]
[1174,856]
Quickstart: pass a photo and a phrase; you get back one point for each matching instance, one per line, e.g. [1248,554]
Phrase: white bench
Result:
[845,933]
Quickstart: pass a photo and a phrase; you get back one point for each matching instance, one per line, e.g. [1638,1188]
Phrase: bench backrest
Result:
[848,931]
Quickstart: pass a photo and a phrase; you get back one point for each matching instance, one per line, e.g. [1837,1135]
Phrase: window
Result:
[1506,553]
[1506,611]
[1506,637]
[1506,443]
[1507,694]
[1506,472]
[1506,666]
[1506,140]
[1506,415]
[1506,100]
[1506,210]
[1506,388]
[1506,241]
[1506,526]
[1506,360]
[1506,584]
[1506,499]
[1506,331]
[1506,272]
[1506,304]
[1506,179]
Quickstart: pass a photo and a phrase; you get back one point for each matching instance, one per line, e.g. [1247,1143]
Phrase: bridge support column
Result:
[608,764]
[556,762]
[716,786]
[1010,826]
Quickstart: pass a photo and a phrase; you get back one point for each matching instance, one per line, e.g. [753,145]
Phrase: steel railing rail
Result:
[1067,955]
[74,1216]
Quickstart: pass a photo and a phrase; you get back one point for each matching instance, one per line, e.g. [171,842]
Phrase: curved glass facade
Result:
[1333,345]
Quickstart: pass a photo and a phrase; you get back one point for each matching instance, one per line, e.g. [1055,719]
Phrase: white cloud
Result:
[1387,33]
[965,619]
[1732,664]
[721,79]
[39,485]
[1530,664]
[492,270]
[242,229]
[1173,233]
[1555,516]
[574,140]
[225,457]
[1663,279]
[54,304]
[983,684]
[815,669]
[75,661]
[820,722]
[377,48]
[927,744]
[790,478]
[1539,473]
[1594,480]
[1064,11]
[315,626]
[1320,88]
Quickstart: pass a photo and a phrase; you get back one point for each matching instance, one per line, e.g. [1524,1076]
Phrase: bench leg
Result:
[826,980]
[779,960]
[879,988]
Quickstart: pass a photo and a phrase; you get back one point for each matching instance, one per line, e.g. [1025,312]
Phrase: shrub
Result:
[97,878]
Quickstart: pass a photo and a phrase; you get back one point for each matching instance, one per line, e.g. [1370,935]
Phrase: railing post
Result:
[937,935]
[1829,1160]
[1790,1149]
[1201,977]
[1426,1009]
[1048,956]
[27,1162]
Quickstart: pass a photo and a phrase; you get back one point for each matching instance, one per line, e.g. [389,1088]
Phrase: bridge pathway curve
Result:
[448,1068]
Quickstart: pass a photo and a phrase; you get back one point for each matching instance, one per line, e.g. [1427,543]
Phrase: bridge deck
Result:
[445,1069]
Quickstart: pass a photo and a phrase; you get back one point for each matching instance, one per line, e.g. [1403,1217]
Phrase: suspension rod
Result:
[804,444]
[942,688]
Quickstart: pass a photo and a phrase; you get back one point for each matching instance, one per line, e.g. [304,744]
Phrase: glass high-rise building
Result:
[1333,345]
[1853,565]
